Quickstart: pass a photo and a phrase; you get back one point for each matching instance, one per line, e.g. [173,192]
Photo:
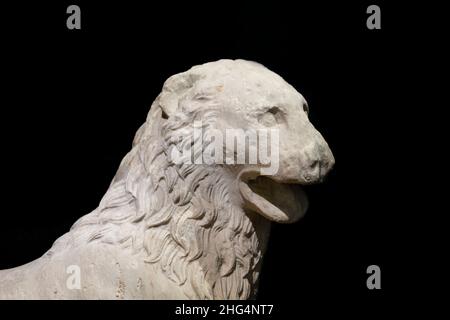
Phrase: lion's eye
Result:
[271,117]
[305,108]
[274,110]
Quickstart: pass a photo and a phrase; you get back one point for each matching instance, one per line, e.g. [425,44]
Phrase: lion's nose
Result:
[319,162]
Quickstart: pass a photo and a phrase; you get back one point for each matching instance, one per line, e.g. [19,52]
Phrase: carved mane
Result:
[183,216]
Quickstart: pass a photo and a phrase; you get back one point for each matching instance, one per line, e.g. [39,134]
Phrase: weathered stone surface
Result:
[168,230]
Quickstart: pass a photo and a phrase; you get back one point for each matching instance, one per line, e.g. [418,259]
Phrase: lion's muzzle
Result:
[316,161]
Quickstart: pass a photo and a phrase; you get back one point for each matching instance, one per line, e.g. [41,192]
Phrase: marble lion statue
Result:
[169,229]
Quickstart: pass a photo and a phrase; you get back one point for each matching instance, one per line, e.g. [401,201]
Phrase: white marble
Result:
[187,231]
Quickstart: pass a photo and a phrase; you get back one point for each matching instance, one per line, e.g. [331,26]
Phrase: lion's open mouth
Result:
[279,202]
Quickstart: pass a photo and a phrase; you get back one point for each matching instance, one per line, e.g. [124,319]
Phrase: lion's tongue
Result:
[283,203]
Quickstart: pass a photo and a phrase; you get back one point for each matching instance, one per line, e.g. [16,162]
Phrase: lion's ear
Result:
[173,89]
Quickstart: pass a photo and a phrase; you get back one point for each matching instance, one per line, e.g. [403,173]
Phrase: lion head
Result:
[206,224]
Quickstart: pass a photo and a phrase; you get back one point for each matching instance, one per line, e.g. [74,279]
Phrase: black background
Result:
[73,99]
